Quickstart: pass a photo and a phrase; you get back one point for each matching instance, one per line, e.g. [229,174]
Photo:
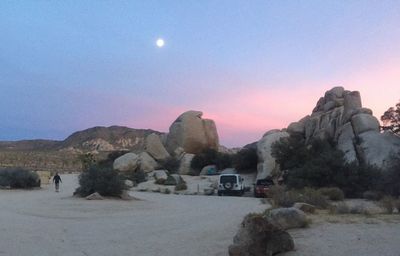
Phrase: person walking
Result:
[56,181]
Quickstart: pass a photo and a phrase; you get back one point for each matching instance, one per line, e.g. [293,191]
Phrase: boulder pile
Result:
[338,116]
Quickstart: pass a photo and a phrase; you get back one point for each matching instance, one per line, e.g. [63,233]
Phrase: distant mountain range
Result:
[64,155]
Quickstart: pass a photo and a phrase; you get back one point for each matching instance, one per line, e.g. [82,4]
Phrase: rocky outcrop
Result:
[258,236]
[192,133]
[185,163]
[266,162]
[155,147]
[64,156]
[146,162]
[340,117]
[126,162]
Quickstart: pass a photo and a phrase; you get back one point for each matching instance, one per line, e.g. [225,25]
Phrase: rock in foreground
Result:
[258,236]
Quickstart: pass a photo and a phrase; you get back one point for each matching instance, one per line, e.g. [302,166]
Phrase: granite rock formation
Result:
[339,116]
[192,133]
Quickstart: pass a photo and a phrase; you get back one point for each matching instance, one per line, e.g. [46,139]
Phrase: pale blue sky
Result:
[71,65]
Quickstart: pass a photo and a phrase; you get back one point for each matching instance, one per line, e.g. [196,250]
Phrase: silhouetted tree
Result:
[391,119]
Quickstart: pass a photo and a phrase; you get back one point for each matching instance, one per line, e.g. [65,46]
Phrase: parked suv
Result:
[261,187]
[230,184]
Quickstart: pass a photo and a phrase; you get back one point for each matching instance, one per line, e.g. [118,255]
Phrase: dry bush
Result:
[282,198]
[340,208]
[160,181]
[333,193]
[388,203]
[372,195]
[314,197]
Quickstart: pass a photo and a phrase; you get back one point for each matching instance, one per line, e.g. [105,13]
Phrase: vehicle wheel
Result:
[228,186]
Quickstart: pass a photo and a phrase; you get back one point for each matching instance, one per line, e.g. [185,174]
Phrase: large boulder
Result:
[288,218]
[126,162]
[267,165]
[378,148]
[192,133]
[185,164]
[364,123]
[155,147]
[257,236]
[160,174]
[147,163]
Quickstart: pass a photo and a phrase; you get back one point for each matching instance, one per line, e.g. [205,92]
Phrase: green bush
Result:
[390,181]
[334,194]
[137,176]
[314,197]
[171,164]
[19,178]
[105,181]
[245,160]
[170,181]
[319,164]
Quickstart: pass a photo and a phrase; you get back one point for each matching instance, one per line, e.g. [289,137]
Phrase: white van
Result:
[230,184]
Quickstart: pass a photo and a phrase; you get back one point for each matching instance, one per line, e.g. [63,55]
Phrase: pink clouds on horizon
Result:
[243,115]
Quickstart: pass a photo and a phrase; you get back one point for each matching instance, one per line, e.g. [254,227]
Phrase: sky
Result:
[251,66]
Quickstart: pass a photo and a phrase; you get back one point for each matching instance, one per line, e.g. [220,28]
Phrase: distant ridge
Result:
[63,155]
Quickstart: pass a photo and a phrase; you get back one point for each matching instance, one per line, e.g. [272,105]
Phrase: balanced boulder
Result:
[192,133]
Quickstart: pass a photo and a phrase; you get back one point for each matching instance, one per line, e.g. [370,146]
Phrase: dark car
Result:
[261,187]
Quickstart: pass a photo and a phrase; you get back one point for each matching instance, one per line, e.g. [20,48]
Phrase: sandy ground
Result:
[343,235]
[43,222]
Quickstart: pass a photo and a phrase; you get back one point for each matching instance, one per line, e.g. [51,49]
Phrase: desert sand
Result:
[43,222]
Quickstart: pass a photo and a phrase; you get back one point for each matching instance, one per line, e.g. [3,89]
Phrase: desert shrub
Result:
[389,184]
[283,198]
[397,205]
[343,208]
[340,208]
[167,191]
[245,160]
[19,178]
[160,181]
[319,164]
[109,160]
[87,160]
[170,181]
[210,157]
[171,164]
[372,195]
[138,176]
[180,186]
[388,203]
[334,194]
[105,181]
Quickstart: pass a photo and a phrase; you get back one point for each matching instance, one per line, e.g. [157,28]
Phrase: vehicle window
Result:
[228,179]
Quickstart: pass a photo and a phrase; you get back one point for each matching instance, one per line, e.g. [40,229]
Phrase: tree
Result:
[391,119]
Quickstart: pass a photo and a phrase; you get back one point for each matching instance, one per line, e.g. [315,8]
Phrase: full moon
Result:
[160,42]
